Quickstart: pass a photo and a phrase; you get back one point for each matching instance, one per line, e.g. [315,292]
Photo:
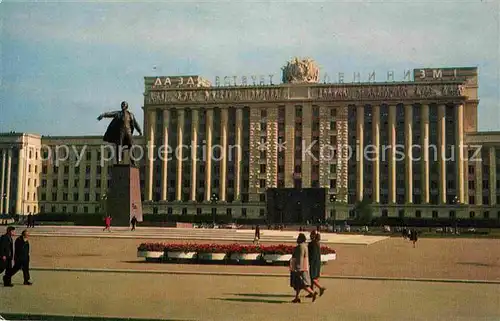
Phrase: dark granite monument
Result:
[124,192]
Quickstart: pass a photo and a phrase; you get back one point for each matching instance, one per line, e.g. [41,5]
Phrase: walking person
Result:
[414,237]
[299,270]
[133,222]
[21,258]
[256,238]
[107,223]
[28,223]
[7,254]
[314,249]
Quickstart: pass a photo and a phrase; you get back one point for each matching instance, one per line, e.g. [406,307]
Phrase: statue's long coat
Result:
[117,128]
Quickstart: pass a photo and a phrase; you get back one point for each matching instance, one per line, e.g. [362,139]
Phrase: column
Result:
[21,181]
[307,140]
[442,153]
[150,141]
[195,124]
[208,154]
[223,154]
[459,142]
[424,134]
[392,155]
[376,156]
[478,177]
[2,182]
[7,183]
[360,123]
[165,156]
[179,153]
[81,180]
[493,176]
[290,145]
[409,156]
[239,150]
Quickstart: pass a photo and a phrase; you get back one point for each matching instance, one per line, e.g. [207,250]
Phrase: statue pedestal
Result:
[124,195]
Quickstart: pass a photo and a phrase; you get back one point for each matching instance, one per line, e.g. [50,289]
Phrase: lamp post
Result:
[455,202]
[333,199]
[104,198]
[214,199]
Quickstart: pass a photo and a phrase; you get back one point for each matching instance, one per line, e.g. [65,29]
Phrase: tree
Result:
[364,212]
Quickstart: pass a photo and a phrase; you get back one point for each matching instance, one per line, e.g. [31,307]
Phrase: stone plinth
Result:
[124,196]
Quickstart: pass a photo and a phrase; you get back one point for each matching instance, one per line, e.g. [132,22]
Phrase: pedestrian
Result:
[300,278]
[28,223]
[314,250]
[6,254]
[107,223]
[133,222]
[21,258]
[256,238]
[414,237]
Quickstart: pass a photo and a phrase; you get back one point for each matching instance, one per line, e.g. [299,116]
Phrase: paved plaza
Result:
[100,276]
[182,297]
[199,234]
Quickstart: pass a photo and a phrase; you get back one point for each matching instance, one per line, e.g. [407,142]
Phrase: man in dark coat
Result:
[6,254]
[21,258]
[121,129]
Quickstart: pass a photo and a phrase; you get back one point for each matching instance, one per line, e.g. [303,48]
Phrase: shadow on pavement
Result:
[251,300]
[262,295]
[475,264]
[36,317]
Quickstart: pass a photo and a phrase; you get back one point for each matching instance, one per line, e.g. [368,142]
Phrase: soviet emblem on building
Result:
[298,71]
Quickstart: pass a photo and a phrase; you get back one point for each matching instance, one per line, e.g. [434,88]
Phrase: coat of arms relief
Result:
[298,71]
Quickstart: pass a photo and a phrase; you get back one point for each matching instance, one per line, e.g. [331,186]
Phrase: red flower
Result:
[327,250]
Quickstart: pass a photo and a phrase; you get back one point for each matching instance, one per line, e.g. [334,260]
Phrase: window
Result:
[244,212]
[262,212]
[262,197]
[87,197]
[170,211]
[85,209]
[184,211]
[418,214]
[333,183]
[486,214]
[65,196]
[75,209]
[229,212]
[434,214]
[262,183]
[75,196]
[401,213]
[262,168]
[472,199]
[64,209]
[198,211]
[472,214]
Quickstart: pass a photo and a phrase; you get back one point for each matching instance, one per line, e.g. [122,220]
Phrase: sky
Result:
[63,63]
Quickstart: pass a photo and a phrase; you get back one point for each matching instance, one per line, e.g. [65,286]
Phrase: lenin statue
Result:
[120,130]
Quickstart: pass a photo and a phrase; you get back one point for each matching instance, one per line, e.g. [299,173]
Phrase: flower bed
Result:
[221,252]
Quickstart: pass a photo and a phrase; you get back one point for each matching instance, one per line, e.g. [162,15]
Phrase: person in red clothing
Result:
[107,223]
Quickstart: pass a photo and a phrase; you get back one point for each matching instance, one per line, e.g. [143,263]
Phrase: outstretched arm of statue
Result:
[111,114]
[137,127]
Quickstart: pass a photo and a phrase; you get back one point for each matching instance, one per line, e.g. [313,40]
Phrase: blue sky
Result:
[64,63]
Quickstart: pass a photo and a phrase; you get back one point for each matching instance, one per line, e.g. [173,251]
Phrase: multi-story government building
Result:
[377,141]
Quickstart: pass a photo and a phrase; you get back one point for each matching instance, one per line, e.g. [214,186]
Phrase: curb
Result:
[253,274]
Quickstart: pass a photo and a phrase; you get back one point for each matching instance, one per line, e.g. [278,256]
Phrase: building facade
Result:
[412,148]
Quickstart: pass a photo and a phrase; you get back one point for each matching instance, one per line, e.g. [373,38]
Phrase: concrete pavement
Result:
[165,233]
[197,297]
